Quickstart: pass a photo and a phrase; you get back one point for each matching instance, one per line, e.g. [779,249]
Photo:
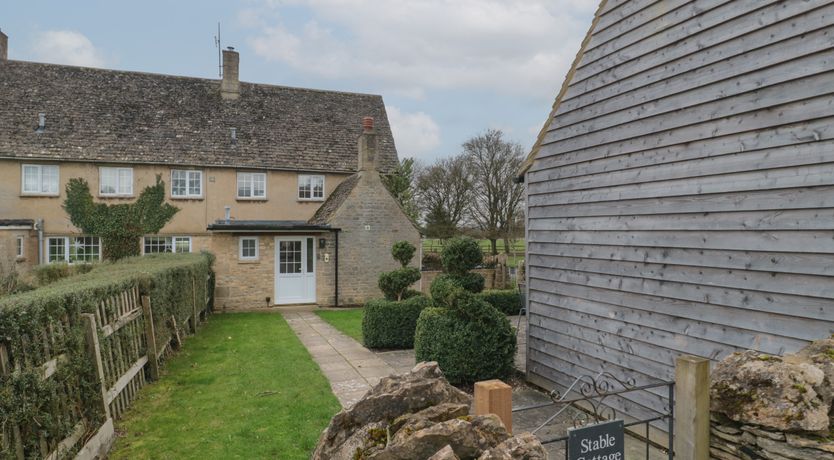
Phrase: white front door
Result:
[295,270]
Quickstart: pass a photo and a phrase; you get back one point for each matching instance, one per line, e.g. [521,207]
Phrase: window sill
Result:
[187,198]
[243,198]
[124,197]
[248,261]
[314,200]
[20,259]
[40,195]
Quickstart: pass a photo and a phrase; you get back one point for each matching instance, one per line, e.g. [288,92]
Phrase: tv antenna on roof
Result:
[219,52]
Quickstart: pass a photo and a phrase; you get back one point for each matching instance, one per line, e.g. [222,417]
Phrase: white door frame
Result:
[305,282]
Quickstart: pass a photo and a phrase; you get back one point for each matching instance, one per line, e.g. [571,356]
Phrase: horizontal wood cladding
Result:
[682,198]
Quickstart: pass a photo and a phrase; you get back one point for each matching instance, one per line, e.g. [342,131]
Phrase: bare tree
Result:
[444,191]
[497,201]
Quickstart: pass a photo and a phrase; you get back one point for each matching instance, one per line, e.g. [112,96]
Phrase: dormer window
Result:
[115,182]
[310,187]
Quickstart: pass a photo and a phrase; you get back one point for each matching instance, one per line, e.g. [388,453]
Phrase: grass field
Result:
[243,387]
[349,321]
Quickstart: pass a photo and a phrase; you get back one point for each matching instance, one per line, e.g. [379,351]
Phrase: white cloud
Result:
[415,133]
[67,47]
[507,46]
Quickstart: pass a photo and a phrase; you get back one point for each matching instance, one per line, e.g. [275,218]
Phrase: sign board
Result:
[603,441]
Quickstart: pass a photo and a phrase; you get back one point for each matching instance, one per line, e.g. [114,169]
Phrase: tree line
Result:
[472,192]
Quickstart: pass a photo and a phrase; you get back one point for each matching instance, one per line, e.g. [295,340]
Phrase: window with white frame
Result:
[251,185]
[249,248]
[40,179]
[115,181]
[20,250]
[73,249]
[186,183]
[160,244]
[310,187]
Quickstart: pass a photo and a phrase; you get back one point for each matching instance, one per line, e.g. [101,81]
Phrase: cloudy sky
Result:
[447,69]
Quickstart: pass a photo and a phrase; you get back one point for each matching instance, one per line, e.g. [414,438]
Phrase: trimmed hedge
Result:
[507,301]
[470,340]
[389,324]
[26,399]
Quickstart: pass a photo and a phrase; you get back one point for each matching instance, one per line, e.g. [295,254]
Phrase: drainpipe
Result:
[39,225]
[336,264]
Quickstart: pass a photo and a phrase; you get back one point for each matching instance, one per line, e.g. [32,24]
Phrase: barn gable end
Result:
[681,195]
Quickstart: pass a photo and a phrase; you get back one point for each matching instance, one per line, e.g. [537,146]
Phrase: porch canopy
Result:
[262,226]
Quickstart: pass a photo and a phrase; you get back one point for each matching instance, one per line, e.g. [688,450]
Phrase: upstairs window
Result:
[251,185]
[160,244]
[115,181]
[186,183]
[40,180]
[73,249]
[310,187]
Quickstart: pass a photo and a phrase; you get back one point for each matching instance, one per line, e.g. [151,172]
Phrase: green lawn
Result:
[243,387]
[349,321]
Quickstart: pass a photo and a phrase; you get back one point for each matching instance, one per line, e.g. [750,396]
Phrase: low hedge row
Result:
[29,401]
[507,301]
[391,324]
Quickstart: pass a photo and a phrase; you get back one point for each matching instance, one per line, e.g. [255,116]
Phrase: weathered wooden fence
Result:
[121,344]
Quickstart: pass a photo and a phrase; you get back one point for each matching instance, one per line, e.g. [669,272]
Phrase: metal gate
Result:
[588,394]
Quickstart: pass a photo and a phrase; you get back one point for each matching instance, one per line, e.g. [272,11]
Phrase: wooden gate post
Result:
[94,350]
[691,408]
[150,336]
[495,397]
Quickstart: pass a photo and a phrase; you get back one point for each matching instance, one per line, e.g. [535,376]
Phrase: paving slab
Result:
[351,368]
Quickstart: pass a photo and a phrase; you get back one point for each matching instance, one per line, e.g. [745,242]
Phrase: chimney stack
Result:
[230,86]
[4,47]
[367,145]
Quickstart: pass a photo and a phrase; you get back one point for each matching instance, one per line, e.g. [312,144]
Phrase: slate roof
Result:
[327,209]
[132,117]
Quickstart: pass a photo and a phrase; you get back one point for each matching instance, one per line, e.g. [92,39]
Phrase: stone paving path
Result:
[351,368]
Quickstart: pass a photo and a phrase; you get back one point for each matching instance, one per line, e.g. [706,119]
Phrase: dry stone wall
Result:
[770,407]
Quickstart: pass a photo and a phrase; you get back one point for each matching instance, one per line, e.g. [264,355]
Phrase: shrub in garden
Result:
[460,255]
[52,407]
[394,284]
[507,301]
[469,339]
[390,324]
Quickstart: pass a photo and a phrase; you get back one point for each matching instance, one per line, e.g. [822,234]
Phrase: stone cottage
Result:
[268,178]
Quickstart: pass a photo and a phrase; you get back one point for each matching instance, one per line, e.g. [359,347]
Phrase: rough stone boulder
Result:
[418,416]
[773,392]
[821,354]
[524,445]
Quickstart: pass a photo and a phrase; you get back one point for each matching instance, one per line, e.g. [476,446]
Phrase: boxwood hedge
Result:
[51,407]
[470,340]
[507,301]
[391,324]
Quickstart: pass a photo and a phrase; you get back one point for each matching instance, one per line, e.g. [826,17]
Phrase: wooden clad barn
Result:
[681,193]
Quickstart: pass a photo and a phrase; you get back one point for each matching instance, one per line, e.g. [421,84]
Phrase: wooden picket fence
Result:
[122,345]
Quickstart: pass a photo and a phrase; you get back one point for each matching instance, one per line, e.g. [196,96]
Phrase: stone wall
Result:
[493,278]
[770,407]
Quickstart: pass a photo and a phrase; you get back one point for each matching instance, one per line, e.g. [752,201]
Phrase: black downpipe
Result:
[336,263]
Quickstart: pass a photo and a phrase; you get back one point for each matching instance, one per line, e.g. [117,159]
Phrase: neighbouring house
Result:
[281,184]
[680,196]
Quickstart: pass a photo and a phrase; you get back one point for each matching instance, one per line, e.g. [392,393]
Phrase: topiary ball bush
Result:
[507,301]
[444,284]
[403,252]
[460,255]
[395,284]
[388,324]
[471,341]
